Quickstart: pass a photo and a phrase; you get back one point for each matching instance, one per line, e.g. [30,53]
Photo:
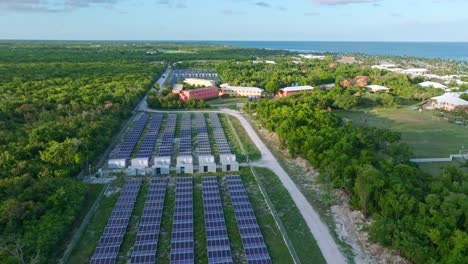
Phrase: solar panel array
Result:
[217,241]
[251,236]
[167,144]
[185,144]
[124,150]
[182,243]
[144,250]
[108,246]
[219,136]
[202,135]
[146,148]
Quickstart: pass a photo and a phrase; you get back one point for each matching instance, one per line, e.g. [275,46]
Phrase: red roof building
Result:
[202,93]
[294,89]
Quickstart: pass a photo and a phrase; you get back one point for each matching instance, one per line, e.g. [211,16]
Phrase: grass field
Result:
[228,100]
[298,232]
[428,135]
[252,150]
[279,253]
[436,168]
[87,244]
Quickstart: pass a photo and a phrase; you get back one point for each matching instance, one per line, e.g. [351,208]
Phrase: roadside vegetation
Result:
[409,208]
[298,232]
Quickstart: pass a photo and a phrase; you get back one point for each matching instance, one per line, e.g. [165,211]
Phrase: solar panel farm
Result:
[180,195]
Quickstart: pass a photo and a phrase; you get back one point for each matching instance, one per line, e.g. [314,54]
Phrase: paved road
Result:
[143,106]
[325,241]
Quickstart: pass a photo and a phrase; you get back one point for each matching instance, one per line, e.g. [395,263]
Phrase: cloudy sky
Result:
[354,20]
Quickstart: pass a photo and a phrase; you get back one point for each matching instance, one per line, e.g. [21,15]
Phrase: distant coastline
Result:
[429,50]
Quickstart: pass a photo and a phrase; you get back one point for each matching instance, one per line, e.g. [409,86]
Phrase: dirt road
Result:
[327,245]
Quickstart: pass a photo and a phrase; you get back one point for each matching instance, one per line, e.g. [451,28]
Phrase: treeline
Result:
[424,217]
[56,118]
[172,101]
[108,51]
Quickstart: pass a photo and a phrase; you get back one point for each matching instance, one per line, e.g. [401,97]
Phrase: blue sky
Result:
[353,20]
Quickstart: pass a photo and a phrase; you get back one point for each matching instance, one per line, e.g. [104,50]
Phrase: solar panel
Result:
[217,240]
[218,132]
[144,249]
[203,141]
[108,246]
[250,233]
[182,243]
[166,146]
[124,149]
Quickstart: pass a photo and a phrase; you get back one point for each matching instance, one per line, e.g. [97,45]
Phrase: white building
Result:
[384,66]
[206,163]
[449,102]
[433,84]
[378,88]
[200,82]
[228,162]
[314,57]
[162,165]
[240,91]
[184,164]
[416,72]
[117,163]
[140,162]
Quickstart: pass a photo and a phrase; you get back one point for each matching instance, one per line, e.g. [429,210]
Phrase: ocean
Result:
[431,50]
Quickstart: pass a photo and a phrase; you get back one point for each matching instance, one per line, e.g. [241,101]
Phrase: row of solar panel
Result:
[182,243]
[203,141]
[124,150]
[151,136]
[167,144]
[144,250]
[185,143]
[217,240]
[108,246]
[251,236]
[219,136]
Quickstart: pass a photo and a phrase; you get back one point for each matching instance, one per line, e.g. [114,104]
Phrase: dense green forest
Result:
[111,51]
[58,113]
[423,216]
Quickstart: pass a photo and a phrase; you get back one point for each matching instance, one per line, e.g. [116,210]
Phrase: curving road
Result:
[327,245]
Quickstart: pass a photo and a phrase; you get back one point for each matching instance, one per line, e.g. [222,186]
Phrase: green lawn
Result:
[252,150]
[88,242]
[228,100]
[298,232]
[428,135]
[277,249]
[436,168]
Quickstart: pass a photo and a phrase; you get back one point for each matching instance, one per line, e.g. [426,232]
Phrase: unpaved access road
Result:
[327,245]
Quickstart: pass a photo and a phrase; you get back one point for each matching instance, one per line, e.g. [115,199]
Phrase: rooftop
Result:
[297,88]
[240,88]
[433,84]
[451,98]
